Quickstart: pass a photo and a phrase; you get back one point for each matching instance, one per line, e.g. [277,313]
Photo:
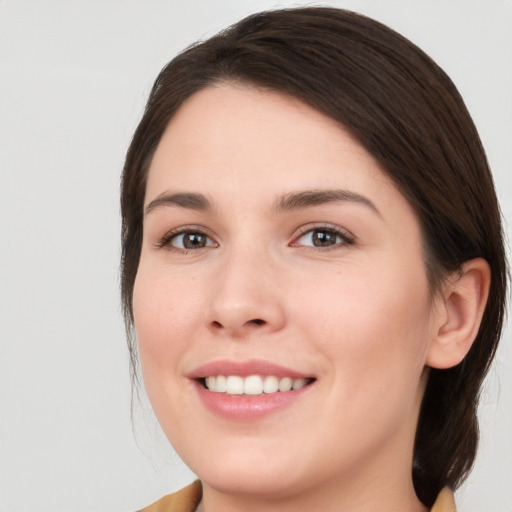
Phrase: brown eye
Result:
[324,238]
[191,240]
[321,238]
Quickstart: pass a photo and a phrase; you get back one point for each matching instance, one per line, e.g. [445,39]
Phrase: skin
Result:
[357,315]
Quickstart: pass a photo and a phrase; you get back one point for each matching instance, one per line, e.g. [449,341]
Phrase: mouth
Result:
[253,384]
[249,390]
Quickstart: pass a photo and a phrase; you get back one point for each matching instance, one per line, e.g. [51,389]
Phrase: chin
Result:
[249,471]
[257,480]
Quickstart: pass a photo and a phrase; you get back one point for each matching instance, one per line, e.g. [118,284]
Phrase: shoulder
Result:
[445,502]
[185,500]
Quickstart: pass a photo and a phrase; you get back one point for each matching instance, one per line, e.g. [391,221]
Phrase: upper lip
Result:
[244,369]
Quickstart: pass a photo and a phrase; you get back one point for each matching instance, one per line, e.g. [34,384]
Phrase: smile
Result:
[253,384]
[249,390]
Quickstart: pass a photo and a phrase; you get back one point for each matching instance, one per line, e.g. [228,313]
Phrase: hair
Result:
[406,112]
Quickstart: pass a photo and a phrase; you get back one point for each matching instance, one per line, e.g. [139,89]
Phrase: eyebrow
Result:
[309,198]
[289,202]
[182,199]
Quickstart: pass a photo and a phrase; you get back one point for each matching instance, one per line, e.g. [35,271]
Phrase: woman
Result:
[314,267]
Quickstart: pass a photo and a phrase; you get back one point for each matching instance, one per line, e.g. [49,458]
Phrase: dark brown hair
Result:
[408,114]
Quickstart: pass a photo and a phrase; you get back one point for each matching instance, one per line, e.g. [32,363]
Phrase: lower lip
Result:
[248,407]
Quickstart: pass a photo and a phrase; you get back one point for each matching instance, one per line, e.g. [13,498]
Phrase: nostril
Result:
[234,326]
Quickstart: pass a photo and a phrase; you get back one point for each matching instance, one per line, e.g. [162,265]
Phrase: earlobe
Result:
[458,315]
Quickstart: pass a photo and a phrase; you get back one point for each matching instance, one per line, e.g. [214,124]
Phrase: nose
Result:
[245,297]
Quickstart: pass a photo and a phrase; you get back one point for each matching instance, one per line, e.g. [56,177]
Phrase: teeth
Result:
[285,384]
[210,382]
[234,385]
[220,384]
[299,383]
[252,385]
[270,384]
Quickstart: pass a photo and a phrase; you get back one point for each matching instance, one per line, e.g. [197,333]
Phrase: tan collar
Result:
[444,502]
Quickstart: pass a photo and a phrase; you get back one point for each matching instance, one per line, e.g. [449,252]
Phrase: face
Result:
[277,254]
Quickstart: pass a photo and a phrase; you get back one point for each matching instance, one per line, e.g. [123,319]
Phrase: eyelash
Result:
[166,240]
[346,238]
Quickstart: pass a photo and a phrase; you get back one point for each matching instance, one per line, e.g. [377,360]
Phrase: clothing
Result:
[185,500]
[188,498]
[444,502]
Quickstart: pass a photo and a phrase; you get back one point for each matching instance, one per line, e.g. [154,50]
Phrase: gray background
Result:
[74,76]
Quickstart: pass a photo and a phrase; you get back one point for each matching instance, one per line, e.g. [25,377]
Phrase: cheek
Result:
[162,326]
[372,325]
[160,320]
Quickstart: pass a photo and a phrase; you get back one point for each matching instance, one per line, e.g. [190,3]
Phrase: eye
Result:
[186,240]
[323,237]
[190,241]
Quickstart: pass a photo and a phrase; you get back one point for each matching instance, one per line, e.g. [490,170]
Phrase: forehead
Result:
[237,141]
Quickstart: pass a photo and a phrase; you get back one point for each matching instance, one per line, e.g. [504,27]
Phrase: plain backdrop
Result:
[74,76]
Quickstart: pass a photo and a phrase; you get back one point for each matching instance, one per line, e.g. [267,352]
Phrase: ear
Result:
[458,312]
